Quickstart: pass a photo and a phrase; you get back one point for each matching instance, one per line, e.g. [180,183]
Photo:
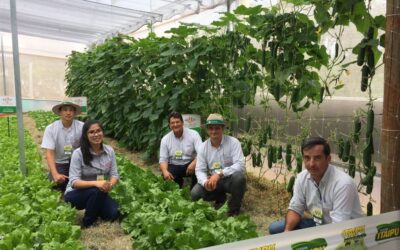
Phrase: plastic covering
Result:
[88,21]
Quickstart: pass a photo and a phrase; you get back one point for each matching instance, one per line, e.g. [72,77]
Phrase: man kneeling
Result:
[220,167]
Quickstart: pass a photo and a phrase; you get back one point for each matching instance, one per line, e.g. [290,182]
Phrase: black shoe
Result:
[220,202]
[233,213]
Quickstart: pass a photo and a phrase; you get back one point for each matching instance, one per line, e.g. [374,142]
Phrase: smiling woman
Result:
[93,174]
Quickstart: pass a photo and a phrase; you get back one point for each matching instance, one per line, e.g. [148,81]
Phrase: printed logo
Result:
[353,238]
[266,247]
[316,244]
[388,231]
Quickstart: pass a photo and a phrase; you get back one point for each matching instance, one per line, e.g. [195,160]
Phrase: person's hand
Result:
[107,186]
[211,183]
[59,178]
[167,175]
[190,169]
[102,185]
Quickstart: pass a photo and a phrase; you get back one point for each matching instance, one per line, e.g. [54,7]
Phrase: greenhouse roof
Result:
[88,21]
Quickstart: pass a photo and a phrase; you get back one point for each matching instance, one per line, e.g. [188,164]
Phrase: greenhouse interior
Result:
[200,124]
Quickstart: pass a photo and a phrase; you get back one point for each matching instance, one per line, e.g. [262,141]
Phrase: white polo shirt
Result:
[180,151]
[336,196]
[227,158]
[62,140]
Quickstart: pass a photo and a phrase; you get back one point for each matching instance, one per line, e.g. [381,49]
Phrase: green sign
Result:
[319,244]
[388,231]
[8,104]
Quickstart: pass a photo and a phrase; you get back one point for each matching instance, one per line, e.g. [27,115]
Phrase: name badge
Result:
[317,215]
[217,167]
[100,177]
[178,155]
[68,150]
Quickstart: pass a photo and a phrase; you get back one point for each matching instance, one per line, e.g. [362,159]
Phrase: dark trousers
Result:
[178,172]
[62,168]
[234,184]
[95,202]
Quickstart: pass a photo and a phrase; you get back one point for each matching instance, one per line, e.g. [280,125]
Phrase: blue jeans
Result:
[95,202]
[234,184]
[279,226]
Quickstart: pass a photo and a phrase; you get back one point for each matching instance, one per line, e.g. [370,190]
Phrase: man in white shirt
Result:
[178,151]
[327,193]
[220,168]
[60,139]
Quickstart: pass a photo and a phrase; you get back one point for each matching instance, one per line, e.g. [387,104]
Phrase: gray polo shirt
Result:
[336,196]
[103,164]
[180,151]
[227,158]
[62,140]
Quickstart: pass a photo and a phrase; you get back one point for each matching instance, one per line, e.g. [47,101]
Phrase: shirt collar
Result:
[101,152]
[183,134]
[324,178]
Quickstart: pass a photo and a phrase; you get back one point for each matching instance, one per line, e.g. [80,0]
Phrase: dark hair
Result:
[175,115]
[313,141]
[85,145]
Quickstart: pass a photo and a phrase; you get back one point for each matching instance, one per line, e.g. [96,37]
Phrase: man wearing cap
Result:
[60,139]
[220,167]
[178,151]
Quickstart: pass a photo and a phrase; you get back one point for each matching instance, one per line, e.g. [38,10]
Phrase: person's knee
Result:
[196,192]
[112,214]
[276,227]
[238,179]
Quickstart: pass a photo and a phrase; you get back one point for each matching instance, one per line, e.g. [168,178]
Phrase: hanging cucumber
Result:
[336,49]
[288,156]
[367,158]
[370,122]
[365,72]
[346,151]
[367,180]
[357,129]
[352,166]
[254,159]
[259,159]
[274,154]
[263,137]
[340,148]
[321,94]
[290,185]
[279,153]
[264,53]
[299,162]
[248,124]
[270,156]
[247,147]
[370,60]
[369,209]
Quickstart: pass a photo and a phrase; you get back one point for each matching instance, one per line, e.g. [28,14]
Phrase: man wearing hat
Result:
[178,151]
[220,167]
[60,139]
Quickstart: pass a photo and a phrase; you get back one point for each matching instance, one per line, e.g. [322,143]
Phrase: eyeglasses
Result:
[94,132]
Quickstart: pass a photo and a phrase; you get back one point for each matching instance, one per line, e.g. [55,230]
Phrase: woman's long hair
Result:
[85,144]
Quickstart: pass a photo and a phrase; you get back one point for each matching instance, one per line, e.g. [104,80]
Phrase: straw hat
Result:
[215,119]
[57,108]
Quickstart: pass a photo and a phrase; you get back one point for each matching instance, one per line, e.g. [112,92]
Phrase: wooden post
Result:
[390,135]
